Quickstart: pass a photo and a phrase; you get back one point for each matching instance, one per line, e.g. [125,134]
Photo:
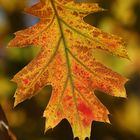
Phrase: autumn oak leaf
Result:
[66,62]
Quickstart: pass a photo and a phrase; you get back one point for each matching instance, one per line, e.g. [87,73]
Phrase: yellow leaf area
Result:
[66,62]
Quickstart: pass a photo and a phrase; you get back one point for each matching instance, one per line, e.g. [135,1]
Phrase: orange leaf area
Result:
[66,62]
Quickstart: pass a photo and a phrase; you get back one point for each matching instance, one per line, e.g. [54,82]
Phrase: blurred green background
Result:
[123,19]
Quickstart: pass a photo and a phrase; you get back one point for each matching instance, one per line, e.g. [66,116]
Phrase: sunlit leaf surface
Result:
[66,62]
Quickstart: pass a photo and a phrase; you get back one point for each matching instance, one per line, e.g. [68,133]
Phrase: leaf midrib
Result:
[67,58]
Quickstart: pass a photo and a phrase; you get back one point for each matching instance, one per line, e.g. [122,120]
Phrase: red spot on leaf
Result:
[88,114]
[84,109]
[67,98]
[58,113]
[25,81]
[86,122]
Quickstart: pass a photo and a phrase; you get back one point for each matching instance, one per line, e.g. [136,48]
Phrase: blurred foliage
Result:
[122,18]
[133,120]
[11,6]
[5,132]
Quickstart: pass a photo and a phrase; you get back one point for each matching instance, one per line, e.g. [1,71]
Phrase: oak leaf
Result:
[66,62]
